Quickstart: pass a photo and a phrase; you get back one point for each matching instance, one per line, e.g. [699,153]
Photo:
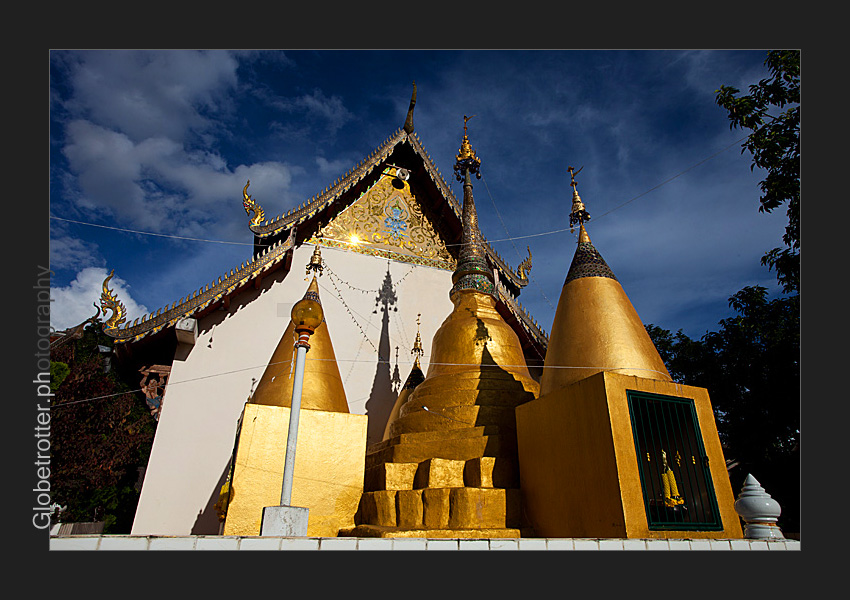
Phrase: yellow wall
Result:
[578,464]
[328,475]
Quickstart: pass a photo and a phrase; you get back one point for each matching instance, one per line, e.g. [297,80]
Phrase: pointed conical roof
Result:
[322,389]
[596,328]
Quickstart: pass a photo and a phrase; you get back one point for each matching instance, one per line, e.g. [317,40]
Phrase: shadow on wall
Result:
[219,315]
[383,395]
[207,521]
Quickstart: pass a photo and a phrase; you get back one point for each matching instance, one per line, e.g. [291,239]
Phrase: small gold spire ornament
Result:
[315,263]
[578,214]
[417,350]
[466,159]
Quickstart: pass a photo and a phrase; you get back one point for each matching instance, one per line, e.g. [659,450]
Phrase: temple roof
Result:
[276,237]
[336,194]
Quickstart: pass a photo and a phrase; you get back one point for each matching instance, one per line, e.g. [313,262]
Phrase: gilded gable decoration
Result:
[388,217]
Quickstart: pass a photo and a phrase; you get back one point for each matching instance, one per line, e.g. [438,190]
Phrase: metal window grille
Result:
[677,490]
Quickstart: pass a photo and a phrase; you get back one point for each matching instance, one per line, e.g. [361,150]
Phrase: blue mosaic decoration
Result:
[396,221]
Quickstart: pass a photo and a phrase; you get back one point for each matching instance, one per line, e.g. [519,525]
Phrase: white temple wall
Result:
[210,383]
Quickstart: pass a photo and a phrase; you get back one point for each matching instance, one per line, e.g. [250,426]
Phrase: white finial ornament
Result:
[759,511]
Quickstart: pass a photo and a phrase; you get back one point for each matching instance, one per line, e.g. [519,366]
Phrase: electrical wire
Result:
[507,239]
[338,360]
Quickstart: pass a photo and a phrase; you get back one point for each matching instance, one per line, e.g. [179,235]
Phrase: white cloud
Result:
[74,304]
[156,185]
[332,168]
[317,106]
[147,94]
[71,253]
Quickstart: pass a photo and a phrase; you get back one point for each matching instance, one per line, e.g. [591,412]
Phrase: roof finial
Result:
[109,301]
[408,123]
[578,214]
[466,159]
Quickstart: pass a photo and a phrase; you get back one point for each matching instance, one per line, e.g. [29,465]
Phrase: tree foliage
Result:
[772,112]
[101,433]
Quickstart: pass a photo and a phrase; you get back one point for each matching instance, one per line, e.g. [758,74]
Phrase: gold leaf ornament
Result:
[251,205]
[109,301]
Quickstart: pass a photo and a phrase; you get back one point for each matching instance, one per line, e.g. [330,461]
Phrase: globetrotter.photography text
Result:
[42,502]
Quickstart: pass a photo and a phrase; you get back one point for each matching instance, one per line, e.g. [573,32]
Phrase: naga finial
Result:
[109,301]
[525,266]
[251,205]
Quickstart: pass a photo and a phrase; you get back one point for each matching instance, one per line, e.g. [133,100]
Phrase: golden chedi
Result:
[448,467]
[331,443]
[594,445]
[415,377]
[596,328]
[323,389]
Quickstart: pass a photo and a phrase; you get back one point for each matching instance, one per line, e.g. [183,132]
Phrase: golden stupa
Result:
[323,389]
[415,377]
[328,475]
[596,328]
[448,466]
[593,445]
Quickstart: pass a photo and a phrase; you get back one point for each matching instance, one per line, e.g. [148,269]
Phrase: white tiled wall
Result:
[126,542]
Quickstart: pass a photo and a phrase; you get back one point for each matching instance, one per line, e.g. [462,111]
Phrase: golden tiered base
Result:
[471,490]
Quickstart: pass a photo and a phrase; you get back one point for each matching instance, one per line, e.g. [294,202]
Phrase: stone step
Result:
[486,472]
[398,532]
[422,436]
[458,508]
[464,448]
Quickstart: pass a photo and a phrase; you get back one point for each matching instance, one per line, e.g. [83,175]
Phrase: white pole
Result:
[295,410]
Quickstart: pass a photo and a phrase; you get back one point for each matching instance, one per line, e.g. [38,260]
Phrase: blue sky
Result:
[163,142]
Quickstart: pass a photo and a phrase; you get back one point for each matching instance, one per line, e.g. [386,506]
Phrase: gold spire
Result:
[578,214]
[459,422]
[596,328]
[323,389]
[417,345]
[472,272]
[466,153]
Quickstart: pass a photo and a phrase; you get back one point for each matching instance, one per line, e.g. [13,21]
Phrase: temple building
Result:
[498,430]
[389,232]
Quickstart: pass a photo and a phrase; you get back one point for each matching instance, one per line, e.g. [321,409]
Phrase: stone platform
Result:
[216,542]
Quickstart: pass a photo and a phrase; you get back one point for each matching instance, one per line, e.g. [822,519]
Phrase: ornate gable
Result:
[388,220]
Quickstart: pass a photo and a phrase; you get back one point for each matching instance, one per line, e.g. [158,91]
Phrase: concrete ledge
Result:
[217,542]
